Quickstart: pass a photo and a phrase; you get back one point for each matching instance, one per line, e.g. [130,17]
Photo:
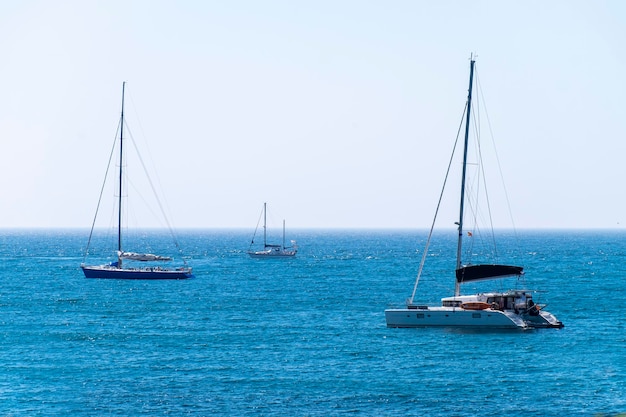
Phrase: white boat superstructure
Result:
[513,309]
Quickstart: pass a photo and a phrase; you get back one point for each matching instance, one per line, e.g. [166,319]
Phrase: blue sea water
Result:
[304,336]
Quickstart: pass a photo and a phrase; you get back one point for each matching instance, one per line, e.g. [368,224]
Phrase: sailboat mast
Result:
[264,225]
[119,201]
[462,203]
[283,233]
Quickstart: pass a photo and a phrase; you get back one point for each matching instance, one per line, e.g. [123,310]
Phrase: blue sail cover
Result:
[479,272]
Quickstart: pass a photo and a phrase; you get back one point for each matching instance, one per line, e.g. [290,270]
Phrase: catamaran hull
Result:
[452,317]
[459,317]
[143,273]
[543,320]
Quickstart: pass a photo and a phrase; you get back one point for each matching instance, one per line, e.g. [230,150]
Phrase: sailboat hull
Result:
[272,254]
[109,272]
[452,317]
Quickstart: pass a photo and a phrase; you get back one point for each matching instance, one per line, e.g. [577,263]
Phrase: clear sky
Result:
[337,113]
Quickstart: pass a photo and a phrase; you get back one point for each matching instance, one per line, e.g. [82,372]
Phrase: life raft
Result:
[475,305]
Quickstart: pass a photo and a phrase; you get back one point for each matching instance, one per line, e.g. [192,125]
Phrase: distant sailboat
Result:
[272,250]
[118,268]
[510,309]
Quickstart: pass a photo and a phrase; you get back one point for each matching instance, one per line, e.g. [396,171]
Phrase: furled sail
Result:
[480,272]
[144,257]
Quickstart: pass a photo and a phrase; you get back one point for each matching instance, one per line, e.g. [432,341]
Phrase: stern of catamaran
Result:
[542,319]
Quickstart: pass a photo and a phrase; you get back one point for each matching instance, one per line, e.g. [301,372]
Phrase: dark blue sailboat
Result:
[149,264]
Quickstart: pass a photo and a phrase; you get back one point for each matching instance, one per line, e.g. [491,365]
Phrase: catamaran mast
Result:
[457,289]
[119,201]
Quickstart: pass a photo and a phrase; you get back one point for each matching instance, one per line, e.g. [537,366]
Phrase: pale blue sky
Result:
[337,113]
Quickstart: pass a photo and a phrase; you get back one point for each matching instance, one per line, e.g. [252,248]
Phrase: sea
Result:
[306,336]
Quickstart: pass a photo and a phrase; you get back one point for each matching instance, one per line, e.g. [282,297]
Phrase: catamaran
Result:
[149,265]
[513,309]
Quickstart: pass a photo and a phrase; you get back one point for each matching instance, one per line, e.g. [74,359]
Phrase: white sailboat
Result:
[149,266]
[509,309]
[271,250]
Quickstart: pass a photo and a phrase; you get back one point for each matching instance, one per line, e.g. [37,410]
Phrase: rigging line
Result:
[106,174]
[164,212]
[432,227]
[482,174]
[256,228]
[145,201]
[506,194]
[156,196]
[271,221]
[135,112]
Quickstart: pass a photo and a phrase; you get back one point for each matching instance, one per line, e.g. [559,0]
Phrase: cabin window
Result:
[475,315]
[452,303]
[419,316]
